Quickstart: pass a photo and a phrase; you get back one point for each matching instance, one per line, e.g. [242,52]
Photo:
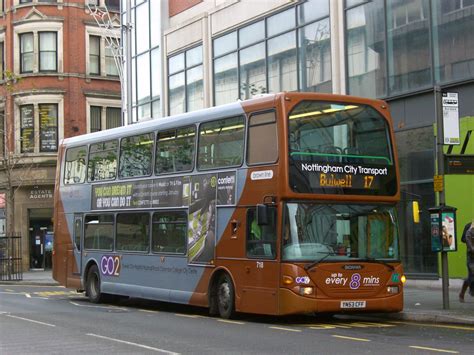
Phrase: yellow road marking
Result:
[359,325]
[55,293]
[350,338]
[346,325]
[432,349]
[230,321]
[376,325]
[287,329]
[448,326]
[328,326]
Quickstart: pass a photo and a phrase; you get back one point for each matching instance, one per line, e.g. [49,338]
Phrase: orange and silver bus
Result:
[282,204]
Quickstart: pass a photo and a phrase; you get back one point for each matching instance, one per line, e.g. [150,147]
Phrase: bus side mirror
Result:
[416,212]
[262,215]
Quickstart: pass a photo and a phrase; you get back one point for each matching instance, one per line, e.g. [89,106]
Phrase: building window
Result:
[40,124]
[27,129]
[2,132]
[26,53]
[102,117]
[2,61]
[453,25]
[39,47]
[112,5]
[48,114]
[48,51]
[94,55]
[48,128]
[186,90]
[146,60]
[365,47]
[101,59]
[266,56]
[408,49]
[110,63]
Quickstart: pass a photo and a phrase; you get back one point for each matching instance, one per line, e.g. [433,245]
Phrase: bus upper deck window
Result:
[221,143]
[262,146]
[75,165]
[102,161]
[136,155]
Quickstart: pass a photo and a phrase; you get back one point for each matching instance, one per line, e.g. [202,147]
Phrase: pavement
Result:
[423,300]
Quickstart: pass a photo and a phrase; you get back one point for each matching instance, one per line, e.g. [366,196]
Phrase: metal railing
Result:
[10,258]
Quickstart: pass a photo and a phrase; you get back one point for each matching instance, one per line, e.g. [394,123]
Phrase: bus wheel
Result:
[93,285]
[225,297]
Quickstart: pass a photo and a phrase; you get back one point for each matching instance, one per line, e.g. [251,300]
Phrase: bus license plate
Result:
[352,304]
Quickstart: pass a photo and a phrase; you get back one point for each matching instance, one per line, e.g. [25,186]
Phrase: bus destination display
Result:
[346,176]
[337,178]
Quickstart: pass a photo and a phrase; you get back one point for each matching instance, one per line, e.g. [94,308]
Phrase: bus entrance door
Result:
[260,281]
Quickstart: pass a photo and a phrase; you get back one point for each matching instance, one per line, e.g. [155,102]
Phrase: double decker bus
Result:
[278,205]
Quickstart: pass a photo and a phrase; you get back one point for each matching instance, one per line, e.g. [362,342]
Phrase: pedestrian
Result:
[468,238]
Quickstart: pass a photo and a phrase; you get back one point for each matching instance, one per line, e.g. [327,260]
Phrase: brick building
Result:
[58,79]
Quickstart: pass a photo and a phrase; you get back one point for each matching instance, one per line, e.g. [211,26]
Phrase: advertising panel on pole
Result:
[450,118]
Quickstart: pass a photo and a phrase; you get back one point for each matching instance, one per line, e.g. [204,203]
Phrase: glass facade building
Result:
[146,69]
[213,53]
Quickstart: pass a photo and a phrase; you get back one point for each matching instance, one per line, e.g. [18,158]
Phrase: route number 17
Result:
[368,180]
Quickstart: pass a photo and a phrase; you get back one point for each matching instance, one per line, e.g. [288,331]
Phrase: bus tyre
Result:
[93,285]
[225,297]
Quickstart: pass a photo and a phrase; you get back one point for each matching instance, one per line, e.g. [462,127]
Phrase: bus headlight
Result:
[392,289]
[306,290]
[403,279]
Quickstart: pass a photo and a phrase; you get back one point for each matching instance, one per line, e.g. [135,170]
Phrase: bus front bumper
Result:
[291,303]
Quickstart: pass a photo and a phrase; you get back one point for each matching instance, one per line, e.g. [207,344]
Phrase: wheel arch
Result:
[88,266]
[212,287]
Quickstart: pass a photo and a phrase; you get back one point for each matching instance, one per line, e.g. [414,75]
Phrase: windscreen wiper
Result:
[370,259]
[316,262]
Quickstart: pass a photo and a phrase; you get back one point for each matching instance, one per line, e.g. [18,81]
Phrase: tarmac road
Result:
[54,320]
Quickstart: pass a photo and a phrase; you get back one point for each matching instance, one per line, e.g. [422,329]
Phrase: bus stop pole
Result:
[442,198]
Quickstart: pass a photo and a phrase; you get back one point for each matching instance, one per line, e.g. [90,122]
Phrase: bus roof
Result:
[180,120]
[198,116]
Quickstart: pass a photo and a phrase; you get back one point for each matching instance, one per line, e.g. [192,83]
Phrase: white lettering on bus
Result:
[372,171]
[226,180]
[262,175]
[322,168]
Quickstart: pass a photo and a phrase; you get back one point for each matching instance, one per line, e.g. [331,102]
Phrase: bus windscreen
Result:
[340,148]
